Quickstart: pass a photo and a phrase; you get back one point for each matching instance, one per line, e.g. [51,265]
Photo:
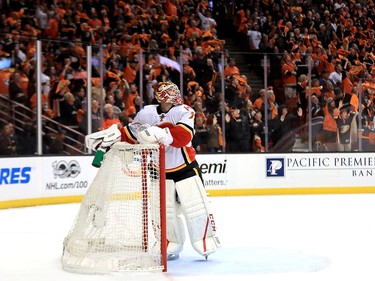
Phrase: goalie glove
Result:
[154,134]
[103,139]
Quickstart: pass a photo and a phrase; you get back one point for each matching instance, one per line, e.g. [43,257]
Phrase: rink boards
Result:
[28,181]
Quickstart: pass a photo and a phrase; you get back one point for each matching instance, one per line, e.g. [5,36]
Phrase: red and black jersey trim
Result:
[187,127]
[190,170]
[129,136]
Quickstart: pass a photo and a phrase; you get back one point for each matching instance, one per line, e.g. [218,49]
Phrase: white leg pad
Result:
[199,218]
[175,224]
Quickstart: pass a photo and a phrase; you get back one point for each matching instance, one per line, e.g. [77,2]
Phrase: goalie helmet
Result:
[168,92]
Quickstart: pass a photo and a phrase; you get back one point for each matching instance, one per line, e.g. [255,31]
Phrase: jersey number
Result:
[192,113]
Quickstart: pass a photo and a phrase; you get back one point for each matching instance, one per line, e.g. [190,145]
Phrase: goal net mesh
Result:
[119,224]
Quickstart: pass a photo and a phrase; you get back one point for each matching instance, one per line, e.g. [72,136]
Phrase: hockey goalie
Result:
[171,123]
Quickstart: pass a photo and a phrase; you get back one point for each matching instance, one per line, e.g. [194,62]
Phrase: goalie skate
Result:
[172,257]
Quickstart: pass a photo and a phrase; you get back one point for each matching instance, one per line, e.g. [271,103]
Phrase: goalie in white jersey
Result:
[172,123]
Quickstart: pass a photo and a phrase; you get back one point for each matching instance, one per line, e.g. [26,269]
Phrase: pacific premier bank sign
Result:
[315,167]
[263,171]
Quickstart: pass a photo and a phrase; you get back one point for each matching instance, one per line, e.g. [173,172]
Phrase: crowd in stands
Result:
[337,35]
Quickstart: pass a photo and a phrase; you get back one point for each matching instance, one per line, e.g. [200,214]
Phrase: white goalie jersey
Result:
[180,122]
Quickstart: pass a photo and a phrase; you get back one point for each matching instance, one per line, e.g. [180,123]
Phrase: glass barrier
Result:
[245,102]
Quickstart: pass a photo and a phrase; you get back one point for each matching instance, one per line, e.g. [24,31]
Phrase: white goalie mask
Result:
[168,92]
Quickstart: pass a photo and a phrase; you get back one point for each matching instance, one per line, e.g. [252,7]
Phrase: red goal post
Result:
[121,224]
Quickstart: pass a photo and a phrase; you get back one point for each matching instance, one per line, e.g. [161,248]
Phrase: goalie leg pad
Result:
[199,218]
[175,224]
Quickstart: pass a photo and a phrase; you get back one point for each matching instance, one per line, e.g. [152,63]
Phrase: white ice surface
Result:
[264,238]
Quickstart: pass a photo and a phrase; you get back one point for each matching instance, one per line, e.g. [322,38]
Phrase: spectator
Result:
[109,118]
[232,95]
[259,100]
[18,56]
[328,91]
[237,131]
[320,59]
[56,95]
[80,99]
[200,137]
[272,112]
[276,76]
[215,137]
[212,99]
[254,36]
[258,132]
[316,108]
[301,90]
[138,104]
[324,35]
[285,125]
[119,99]
[289,72]
[193,31]
[231,69]
[16,92]
[323,78]
[42,17]
[9,142]
[203,67]
[129,96]
[336,76]
[46,107]
[329,123]
[68,111]
[243,87]
[52,28]
[111,100]
[96,119]
[207,22]
[367,109]
[188,72]
[264,44]
[344,124]
[130,71]
[56,142]
[27,144]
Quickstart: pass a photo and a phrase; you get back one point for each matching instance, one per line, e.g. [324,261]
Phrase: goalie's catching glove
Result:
[154,134]
[103,139]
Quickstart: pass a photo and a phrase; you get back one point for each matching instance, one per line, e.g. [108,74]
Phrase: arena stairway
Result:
[243,62]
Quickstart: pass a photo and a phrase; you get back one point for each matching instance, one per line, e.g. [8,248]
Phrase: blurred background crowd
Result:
[268,75]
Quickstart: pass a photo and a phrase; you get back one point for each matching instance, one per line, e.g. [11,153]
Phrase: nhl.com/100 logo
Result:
[275,167]
[63,169]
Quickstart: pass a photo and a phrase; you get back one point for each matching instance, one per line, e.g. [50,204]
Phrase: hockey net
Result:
[121,222]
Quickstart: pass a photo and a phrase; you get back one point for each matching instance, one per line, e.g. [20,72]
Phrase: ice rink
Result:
[264,238]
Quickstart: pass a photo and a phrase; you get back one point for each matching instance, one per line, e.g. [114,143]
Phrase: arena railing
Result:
[23,118]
